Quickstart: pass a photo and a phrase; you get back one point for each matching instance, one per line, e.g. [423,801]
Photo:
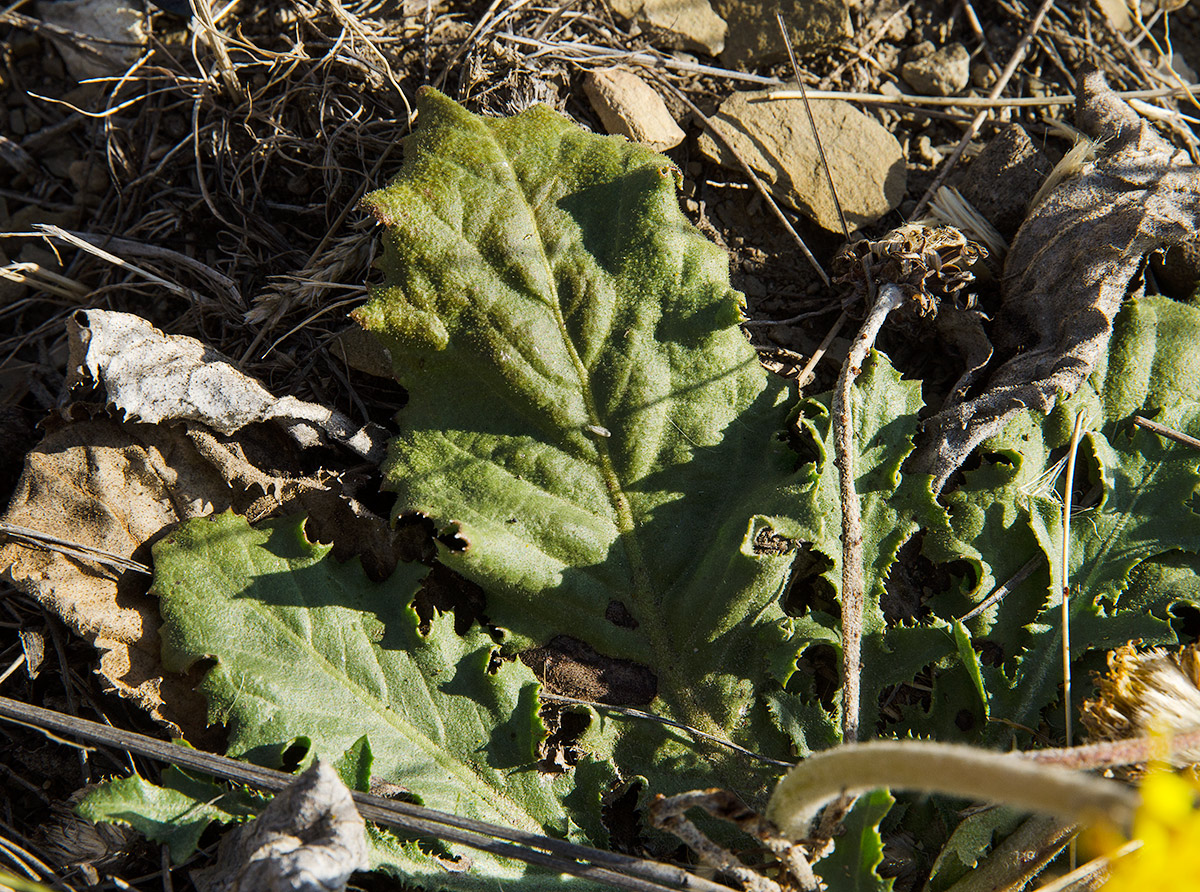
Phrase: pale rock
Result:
[753,39]
[678,24]
[937,72]
[865,160]
[629,106]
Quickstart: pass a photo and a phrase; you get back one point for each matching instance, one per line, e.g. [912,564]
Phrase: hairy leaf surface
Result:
[1008,511]
[897,642]
[309,649]
[585,414]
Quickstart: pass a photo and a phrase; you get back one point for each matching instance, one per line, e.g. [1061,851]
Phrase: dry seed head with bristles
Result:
[1148,692]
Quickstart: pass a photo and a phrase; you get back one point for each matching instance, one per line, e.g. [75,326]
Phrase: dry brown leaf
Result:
[98,484]
[155,377]
[118,487]
[1074,260]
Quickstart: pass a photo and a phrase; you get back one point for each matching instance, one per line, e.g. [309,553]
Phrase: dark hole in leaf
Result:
[768,542]
[454,542]
[618,614]
[495,661]
[569,667]
[290,758]
[809,589]
[1185,620]
[800,438]
[964,719]
[816,675]
[564,726]
[898,699]
[911,582]
[623,819]
[444,591]
[415,534]
[990,653]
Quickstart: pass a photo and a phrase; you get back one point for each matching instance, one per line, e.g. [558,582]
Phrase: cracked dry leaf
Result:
[156,377]
[99,484]
[311,838]
[1074,260]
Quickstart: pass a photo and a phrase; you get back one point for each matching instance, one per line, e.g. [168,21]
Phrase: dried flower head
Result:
[931,263]
[1151,692]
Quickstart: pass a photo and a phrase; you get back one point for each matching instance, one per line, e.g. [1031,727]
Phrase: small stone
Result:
[88,178]
[678,24]
[753,39]
[983,76]
[776,140]
[926,152]
[942,72]
[752,286]
[629,106]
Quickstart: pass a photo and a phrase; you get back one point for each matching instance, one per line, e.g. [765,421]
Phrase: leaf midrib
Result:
[683,705]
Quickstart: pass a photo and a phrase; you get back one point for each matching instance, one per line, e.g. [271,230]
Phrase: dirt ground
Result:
[224,166]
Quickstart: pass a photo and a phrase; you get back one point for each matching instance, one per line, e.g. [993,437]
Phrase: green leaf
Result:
[859,850]
[970,660]
[308,649]
[969,844]
[1143,513]
[175,813]
[1008,511]
[587,417]
[894,508]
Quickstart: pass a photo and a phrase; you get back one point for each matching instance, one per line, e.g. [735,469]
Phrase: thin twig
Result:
[812,125]
[1065,569]
[610,868]
[74,549]
[807,372]
[853,583]
[1169,432]
[1001,591]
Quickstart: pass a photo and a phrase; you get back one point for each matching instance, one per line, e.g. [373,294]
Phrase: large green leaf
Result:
[308,649]
[586,416]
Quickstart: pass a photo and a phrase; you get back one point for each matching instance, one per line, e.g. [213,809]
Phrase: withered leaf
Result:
[1074,260]
[113,487]
[155,377]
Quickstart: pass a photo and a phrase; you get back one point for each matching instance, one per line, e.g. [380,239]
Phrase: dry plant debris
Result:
[1072,265]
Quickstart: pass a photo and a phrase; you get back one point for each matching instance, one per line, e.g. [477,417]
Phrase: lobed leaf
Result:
[585,414]
[307,649]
